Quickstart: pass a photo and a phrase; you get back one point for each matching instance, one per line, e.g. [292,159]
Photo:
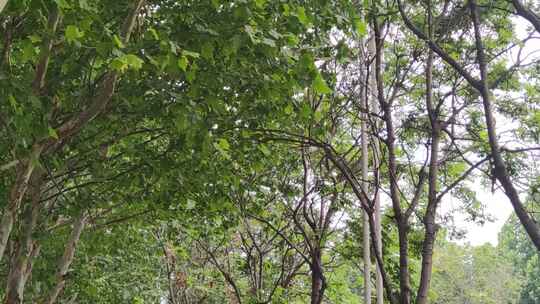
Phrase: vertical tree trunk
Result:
[26,167]
[401,220]
[431,210]
[366,257]
[374,106]
[3,4]
[67,259]
[25,248]
[317,277]
[18,190]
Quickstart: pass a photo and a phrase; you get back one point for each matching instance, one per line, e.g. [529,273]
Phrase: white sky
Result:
[498,206]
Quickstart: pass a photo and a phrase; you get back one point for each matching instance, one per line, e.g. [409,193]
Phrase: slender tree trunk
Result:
[366,257]
[372,105]
[401,220]
[25,248]
[18,190]
[3,4]
[431,210]
[67,259]
[500,172]
[317,277]
[25,168]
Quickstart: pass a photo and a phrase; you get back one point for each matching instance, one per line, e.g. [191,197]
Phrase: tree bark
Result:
[317,277]
[3,4]
[25,247]
[401,220]
[67,259]
[25,168]
[374,106]
[366,256]
[431,210]
[24,172]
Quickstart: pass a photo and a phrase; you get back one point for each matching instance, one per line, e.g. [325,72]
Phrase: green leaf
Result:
[264,149]
[289,109]
[52,132]
[14,104]
[305,112]
[118,42]
[260,3]
[223,147]
[63,4]
[73,33]
[192,72]
[84,4]
[223,144]
[361,27]
[302,17]
[122,63]
[28,51]
[119,65]
[154,33]
[190,54]
[320,86]
[183,63]
[133,61]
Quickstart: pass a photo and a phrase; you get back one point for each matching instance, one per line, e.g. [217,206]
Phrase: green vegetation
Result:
[267,151]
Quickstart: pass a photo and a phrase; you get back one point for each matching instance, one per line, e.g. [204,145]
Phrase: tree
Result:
[464,274]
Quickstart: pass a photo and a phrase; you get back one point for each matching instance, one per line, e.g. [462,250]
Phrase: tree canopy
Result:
[256,151]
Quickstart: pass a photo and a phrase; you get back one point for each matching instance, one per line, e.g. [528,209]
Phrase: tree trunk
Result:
[366,256]
[431,210]
[18,190]
[499,171]
[25,248]
[317,277]
[67,259]
[26,167]
[374,106]
[3,4]
[401,220]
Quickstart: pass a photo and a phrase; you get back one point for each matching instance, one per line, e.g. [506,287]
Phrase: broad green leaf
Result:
[302,17]
[133,61]
[73,33]
[361,27]
[119,64]
[320,86]
[183,63]
[223,144]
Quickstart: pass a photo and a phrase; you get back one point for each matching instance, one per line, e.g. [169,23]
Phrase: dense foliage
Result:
[257,151]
